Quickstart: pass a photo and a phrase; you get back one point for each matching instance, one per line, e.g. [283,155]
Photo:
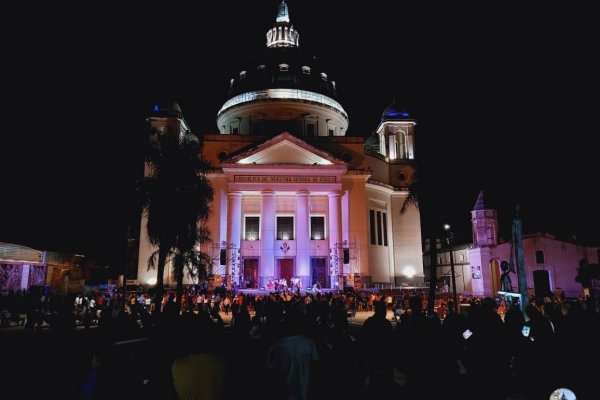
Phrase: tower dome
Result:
[395,112]
[167,109]
[282,89]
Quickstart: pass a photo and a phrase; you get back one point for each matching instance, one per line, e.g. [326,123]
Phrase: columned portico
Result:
[335,234]
[267,237]
[234,210]
[302,237]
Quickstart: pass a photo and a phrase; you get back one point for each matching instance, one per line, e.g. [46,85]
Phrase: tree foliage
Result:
[177,196]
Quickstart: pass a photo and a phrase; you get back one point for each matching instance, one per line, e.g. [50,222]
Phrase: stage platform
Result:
[303,291]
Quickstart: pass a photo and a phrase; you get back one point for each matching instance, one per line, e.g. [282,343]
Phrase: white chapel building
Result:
[295,196]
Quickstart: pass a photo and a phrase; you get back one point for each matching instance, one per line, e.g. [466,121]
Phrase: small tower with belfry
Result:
[484,221]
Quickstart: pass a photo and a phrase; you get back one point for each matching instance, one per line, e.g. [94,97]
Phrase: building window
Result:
[285,228]
[310,125]
[539,257]
[393,144]
[317,228]
[372,227]
[378,225]
[401,152]
[234,127]
[252,228]
[330,129]
[379,238]
[385,239]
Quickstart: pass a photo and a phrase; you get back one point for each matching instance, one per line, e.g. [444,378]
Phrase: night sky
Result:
[501,96]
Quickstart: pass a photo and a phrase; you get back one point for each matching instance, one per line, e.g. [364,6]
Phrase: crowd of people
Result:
[290,345]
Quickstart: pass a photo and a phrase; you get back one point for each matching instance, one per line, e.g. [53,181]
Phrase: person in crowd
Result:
[291,360]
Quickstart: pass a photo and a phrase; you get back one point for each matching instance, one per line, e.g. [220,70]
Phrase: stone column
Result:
[234,232]
[267,237]
[303,238]
[335,236]
[25,277]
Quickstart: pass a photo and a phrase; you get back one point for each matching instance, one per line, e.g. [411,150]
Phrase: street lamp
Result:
[449,240]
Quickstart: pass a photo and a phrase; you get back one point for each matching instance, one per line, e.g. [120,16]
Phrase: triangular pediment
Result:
[284,149]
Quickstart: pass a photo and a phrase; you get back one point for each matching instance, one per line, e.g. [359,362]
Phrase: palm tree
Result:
[177,196]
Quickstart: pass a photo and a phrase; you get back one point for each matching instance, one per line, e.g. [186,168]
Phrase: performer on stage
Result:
[317,287]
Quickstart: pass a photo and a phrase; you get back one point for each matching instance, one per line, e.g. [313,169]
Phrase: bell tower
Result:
[395,136]
[485,224]
[485,273]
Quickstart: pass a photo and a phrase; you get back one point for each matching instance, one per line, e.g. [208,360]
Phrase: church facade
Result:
[296,198]
[550,264]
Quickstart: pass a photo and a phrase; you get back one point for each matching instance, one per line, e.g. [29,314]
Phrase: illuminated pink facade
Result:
[295,196]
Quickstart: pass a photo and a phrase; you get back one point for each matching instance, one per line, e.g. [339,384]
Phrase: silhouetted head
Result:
[488,304]
[416,304]
[380,308]
[532,311]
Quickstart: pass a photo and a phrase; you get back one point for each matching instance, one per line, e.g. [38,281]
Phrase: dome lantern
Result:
[283,33]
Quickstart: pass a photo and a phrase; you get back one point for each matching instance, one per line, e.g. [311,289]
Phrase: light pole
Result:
[124,288]
[449,240]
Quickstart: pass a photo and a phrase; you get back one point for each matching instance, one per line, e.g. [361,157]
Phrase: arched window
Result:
[393,147]
[310,125]
[402,153]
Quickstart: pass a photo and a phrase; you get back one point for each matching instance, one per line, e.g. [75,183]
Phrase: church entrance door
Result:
[250,280]
[285,269]
[318,271]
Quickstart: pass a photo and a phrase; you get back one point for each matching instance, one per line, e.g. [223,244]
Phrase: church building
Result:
[481,267]
[295,196]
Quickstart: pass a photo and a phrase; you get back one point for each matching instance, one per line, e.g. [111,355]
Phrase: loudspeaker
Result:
[541,282]
[223,257]
[346,256]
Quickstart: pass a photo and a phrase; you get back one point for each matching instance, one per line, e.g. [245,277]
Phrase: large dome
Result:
[283,67]
[282,89]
